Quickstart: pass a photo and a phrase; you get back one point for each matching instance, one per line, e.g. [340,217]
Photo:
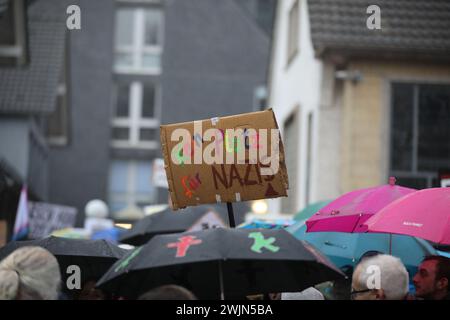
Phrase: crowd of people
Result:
[32,273]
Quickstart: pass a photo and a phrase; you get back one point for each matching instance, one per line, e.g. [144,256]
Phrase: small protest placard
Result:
[209,220]
[46,218]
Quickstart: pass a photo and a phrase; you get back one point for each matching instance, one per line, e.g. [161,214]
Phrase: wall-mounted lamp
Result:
[353,75]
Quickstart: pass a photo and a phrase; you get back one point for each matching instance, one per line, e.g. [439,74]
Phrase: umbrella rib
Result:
[109,248]
[222,288]
[357,223]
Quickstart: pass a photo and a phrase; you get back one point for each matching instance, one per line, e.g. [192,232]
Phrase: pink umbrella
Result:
[423,214]
[348,212]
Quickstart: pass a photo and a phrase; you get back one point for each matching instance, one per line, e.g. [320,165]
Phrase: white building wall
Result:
[328,142]
[296,84]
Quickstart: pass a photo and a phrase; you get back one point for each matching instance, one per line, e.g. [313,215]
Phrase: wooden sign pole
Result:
[231,215]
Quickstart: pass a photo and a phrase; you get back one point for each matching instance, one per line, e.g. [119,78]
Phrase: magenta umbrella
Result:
[348,212]
[424,214]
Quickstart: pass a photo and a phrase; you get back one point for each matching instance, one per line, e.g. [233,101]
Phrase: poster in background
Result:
[159,174]
[46,218]
[209,220]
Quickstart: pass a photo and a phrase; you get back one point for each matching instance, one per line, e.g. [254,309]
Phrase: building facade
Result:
[31,71]
[358,105]
[81,108]
[134,65]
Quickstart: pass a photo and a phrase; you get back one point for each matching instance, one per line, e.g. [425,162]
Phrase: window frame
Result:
[138,47]
[134,122]
[429,176]
[18,50]
[131,196]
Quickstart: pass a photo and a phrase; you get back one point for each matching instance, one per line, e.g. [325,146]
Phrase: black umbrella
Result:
[94,257]
[167,221]
[221,263]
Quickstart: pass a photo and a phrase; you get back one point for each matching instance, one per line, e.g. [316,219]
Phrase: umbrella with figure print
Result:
[221,263]
[93,257]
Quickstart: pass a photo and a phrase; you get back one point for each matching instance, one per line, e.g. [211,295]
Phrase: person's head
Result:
[432,278]
[381,277]
[90,292]
[369,254]
[29,273]
[310,293]
[168,292]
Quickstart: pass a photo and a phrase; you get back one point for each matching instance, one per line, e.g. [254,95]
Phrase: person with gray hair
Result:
[29,273]
[310,293]
[381,277]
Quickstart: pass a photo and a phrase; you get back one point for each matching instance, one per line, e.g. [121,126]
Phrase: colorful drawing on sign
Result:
[198,139]
[190,184]
[179,154]
[260,243]
[127,260]
[234,142]
[183,245]
[250,140]
[218,142]
[254,142]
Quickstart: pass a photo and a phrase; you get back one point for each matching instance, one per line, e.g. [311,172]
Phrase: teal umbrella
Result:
[309,210]
[262,224]
[345,249]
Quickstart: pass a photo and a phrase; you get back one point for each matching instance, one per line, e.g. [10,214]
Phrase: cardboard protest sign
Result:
[46,218]
[226,159]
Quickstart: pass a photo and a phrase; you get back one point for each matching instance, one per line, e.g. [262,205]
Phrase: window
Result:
[293,31]
[138,42]
[135,123]
[420,133]
[130,184]
[291,145]
[12,33]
